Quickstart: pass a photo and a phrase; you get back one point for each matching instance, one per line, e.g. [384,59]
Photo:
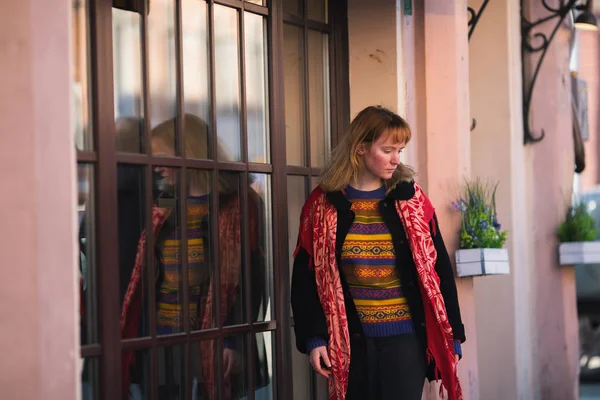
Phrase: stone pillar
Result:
[444,146]
[39,341]
[550,181]
[504,306]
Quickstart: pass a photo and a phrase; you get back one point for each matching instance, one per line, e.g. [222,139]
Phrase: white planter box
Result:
[478,262]
[579,253]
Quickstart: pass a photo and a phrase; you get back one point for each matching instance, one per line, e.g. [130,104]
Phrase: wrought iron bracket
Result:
[557,13]
[474,16]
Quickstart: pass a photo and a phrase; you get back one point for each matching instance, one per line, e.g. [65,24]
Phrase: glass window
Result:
[131,224]
[203,360]
[314,182]
[162,66]
[307,84]
[171,373]
[90,379]
[196,77]
[232,274]
[293,6]
[317,10]
[236,367]
[200,270]
[168,249]
[296,194]
[87,255]
[261,247]
[140,383]
[265,366]
[257,104]
[227,78]
[186,243]
[81,88]
[127,80]
[294,94]
[318,97]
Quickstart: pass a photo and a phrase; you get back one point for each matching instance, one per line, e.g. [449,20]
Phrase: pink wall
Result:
[446,150]
[503,304]
[39,345]
[556,334]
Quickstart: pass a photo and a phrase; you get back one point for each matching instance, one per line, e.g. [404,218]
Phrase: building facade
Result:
[250,97]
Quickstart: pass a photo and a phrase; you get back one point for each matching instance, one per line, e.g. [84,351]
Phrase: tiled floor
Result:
[590,392]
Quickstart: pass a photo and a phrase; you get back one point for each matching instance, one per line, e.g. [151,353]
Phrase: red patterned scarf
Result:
[318,229]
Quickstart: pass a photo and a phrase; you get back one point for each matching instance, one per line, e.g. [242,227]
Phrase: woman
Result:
[203,304]
[373,293]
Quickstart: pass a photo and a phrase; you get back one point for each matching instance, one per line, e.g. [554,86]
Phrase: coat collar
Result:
[402,191]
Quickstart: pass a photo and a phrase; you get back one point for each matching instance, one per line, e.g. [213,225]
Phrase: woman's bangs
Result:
[399,134]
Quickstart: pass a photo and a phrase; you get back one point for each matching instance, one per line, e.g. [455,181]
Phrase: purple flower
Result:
[460,205]
[496,224]
[484,224]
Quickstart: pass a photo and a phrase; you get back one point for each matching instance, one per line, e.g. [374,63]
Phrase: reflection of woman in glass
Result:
[201,283]
[373,289]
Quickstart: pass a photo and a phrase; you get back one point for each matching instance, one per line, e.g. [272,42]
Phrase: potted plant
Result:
[481,236]
[577,234]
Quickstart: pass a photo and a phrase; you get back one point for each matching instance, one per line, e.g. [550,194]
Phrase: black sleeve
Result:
[309,319]
[444,269]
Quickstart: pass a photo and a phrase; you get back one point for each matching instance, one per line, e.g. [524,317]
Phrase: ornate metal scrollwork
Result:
[527,47]
[474,16]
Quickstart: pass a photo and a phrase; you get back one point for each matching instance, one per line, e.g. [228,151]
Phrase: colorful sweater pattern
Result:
[368,262]
[169,318]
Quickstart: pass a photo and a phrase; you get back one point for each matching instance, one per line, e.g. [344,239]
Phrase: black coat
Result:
[309,319]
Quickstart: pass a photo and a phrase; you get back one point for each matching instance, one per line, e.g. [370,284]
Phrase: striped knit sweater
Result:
[368,262]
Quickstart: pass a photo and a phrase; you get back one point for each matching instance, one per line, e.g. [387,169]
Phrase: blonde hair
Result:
[195,132]
[345,165]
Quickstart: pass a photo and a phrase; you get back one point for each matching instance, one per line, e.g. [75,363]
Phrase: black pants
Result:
[389,368]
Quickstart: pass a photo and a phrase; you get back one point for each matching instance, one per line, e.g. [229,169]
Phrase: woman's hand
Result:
[318,359]
[231,362]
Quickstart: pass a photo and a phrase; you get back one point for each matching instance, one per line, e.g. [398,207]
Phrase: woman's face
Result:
[161,149]
[383,156]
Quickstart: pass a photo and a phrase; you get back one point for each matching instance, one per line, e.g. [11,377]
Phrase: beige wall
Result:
[373,42]
[38,233]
